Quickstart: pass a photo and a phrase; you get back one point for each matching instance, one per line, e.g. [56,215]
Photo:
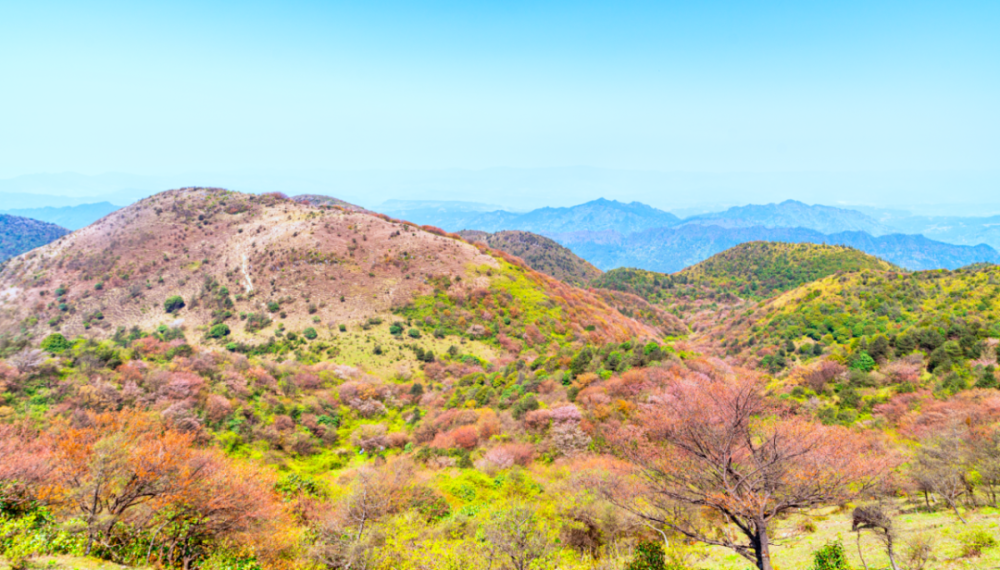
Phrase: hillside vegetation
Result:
[211,380]
[540,253]
[945,314]
[749,271]
[18,235]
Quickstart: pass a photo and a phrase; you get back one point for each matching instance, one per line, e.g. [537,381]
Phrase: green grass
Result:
[66,562]
[793,547]
[356,347]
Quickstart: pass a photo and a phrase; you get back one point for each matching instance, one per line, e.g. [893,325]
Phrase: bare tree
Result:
[349,537]
[940,467]
[513,537]
[27,360]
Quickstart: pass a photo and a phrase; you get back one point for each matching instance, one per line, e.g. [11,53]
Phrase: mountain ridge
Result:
[19,234]
[672,249]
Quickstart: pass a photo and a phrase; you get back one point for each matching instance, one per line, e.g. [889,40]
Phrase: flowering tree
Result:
[714,445]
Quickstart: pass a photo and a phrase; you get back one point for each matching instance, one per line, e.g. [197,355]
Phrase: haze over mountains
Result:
[611,234]
[606,233]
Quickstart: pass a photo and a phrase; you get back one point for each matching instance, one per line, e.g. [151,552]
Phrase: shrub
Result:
[975,541]
[273,307]
[414,333]
[396,329]
[310,333]
[173,304]
[55,343]
[917,552]
[256,322]
[831,557]
[220,330]
[343,328]
[648,556]
[863,361]
[524,405]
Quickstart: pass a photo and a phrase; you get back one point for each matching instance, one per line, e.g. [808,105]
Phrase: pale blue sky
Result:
[172,87]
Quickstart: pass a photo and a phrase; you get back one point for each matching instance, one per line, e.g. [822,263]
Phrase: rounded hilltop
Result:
[201,257]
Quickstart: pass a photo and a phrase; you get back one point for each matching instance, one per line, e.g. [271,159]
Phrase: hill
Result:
[794,214]
[946,315]
[70,217]
[540,253]
[749,271]
[18,235]
[320,200]
[262,273]
[670,250]
[597,215]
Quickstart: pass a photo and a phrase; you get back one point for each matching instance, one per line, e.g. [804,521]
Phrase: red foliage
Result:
[465,437]
[537,420]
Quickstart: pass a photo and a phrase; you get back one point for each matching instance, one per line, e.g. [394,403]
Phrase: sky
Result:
[718,88]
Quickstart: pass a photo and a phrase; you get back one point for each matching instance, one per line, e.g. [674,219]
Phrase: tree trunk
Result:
[762,547]
[892,559]
[954,507]
[861,554]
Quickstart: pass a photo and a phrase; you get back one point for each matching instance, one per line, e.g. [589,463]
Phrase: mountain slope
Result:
[540,253]
[251,269]
[793,214]
[752,271]
[846,314]
[18,235]
[672,249]
[69,217]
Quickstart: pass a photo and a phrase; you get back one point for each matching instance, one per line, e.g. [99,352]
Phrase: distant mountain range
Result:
[794,214]
[672,249]
[69,217]
[597,215]
[612,234]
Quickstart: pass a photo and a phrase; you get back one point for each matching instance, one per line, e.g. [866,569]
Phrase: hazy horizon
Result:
[522,189]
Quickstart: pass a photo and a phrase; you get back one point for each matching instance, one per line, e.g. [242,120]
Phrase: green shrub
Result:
[414,333]
[55,343]
[343,328]
[173,304]
[256,322]
[526,404]
[975,541]
[396,329]
[863,361]
[831,557]
[220,330]
[648,556]
[273,307]
[310,333]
